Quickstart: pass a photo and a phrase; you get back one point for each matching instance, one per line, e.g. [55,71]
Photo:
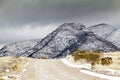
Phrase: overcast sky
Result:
[33,19]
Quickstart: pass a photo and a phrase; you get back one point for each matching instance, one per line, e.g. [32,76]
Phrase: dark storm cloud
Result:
[18,12]
[30,19]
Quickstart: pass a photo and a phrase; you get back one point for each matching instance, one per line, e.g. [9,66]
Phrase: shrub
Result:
[14,67]
[89,56]
[106,61]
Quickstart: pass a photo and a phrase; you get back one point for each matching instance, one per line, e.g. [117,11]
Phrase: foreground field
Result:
[40,69]
[115,58]
[12,68]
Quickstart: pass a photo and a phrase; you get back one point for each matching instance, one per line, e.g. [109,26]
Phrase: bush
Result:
[89,56]
[106,61]
[14,67]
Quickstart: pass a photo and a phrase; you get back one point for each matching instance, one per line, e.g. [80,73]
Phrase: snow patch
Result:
[5,77]
[65,61]
[100,75]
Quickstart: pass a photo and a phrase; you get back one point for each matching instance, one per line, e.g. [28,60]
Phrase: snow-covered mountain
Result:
[1,46]
[61,42]
[114,37]
[18,48]
[103,30]
[66,39]
[107,32]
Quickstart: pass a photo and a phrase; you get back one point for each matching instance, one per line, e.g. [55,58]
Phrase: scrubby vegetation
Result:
[1,79]
[106,61]
[92,57]
[89,56]
[14,67]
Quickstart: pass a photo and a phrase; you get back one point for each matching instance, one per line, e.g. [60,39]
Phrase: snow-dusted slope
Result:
[115,37]
[107,32]
[96,43]
[66,39]
[103,30]
[55,43]
[1,46]
[61,42]
[17,48]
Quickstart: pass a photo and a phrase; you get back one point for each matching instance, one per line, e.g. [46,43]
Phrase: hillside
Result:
[103,30]
[107,32]
[17,48]
[64,40]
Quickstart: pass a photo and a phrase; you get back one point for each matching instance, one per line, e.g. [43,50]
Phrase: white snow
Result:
[65,61]
[88,66]
[5,77]
[100,75]
[20,47]
[16,76]
[7,70]
[115,37]
[102,30]
[1,45]
[24,69]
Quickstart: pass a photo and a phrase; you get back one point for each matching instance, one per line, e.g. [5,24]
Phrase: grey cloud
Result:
[17,12]
[15,15]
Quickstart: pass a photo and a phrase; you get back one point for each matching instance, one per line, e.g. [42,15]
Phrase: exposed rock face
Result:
[63,41]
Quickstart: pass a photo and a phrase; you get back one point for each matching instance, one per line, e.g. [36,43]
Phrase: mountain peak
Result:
[77,26]
[64,40]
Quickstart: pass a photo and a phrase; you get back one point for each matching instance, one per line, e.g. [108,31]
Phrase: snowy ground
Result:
[100,75]
[87,66]
[65,61]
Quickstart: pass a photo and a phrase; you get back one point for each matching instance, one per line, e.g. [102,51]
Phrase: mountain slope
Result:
[66,39]
[96,43]
[103,30]
[115,37]
[107,32]
[58,40]
[17,48]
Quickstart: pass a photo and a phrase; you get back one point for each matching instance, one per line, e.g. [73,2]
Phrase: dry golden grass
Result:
[98,59]
[44,69]
[89,56]
[1,79]
[115,58]
[12,64]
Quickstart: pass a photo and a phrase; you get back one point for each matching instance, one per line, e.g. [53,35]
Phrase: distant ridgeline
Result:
[66,39]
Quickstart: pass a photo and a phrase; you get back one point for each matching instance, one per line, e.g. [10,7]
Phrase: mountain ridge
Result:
[68,38]
[18,47]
